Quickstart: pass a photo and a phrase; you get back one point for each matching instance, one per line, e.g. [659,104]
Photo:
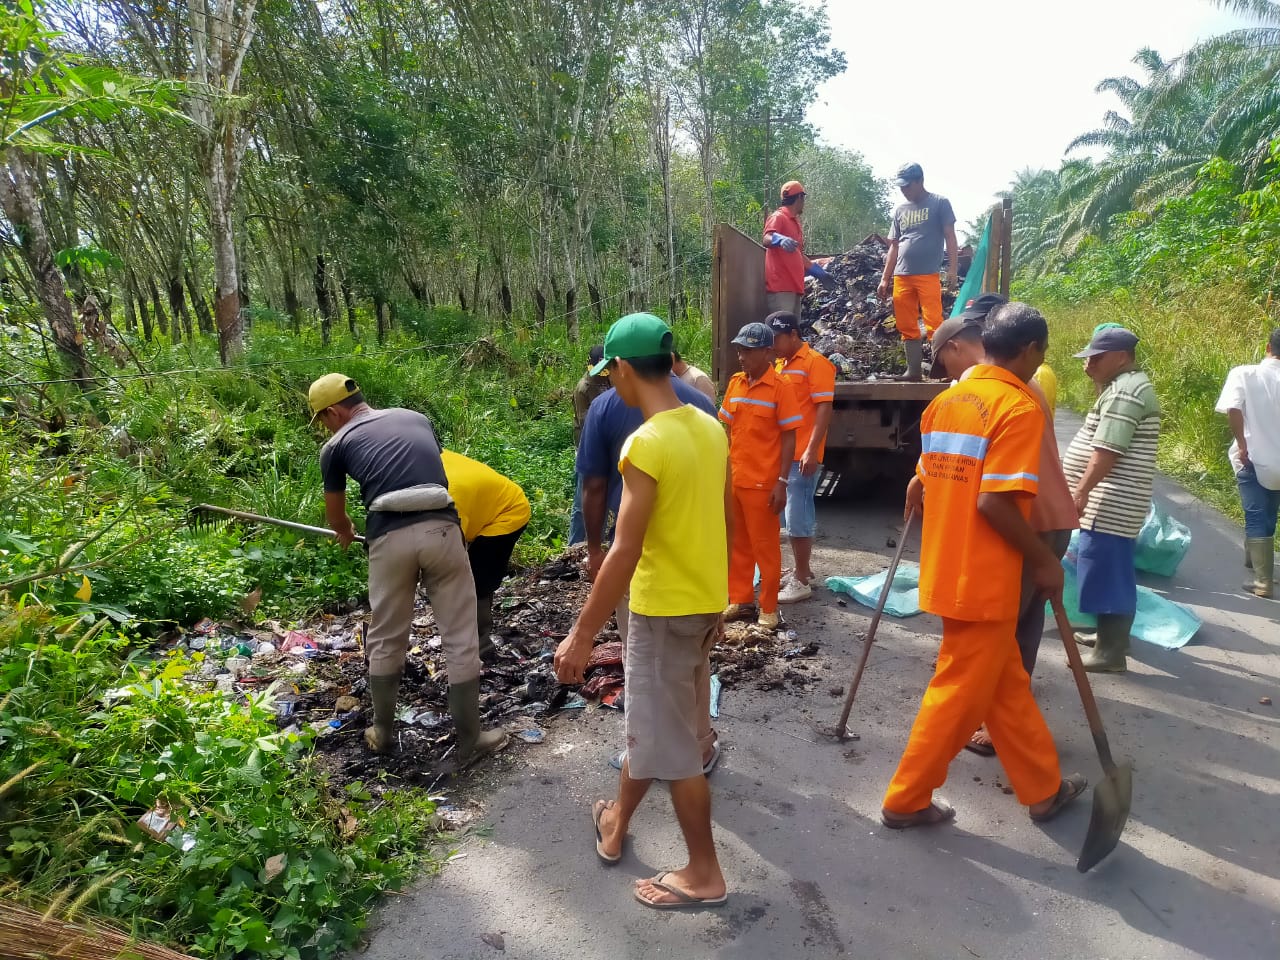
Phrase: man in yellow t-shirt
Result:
[494,512]
[671,545]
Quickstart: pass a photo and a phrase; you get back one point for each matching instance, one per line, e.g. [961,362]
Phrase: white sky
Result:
[975,91]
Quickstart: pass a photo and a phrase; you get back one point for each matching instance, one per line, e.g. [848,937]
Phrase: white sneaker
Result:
[793,590]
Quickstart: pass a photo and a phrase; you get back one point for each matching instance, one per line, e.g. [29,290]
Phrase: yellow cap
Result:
[330,389]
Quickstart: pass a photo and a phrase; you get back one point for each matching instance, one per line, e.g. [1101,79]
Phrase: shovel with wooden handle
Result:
[841,730]
[1111,797]
[206,513]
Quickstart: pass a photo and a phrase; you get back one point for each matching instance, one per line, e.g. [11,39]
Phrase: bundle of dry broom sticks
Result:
[27,934]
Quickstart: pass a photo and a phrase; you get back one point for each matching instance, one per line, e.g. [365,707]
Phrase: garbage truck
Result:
[875,424]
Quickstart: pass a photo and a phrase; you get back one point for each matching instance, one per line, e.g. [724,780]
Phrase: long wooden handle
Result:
[258,518]
[875,622]
[1082,684]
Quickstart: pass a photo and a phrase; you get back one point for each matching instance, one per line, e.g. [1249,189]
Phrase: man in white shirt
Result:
[691,375]
[1251,400]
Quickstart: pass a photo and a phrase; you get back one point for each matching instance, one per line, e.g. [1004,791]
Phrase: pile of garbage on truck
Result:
[849,323]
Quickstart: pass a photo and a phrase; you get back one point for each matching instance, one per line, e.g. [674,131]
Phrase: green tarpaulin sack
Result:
[904,593]
[972,287]
[1162,543]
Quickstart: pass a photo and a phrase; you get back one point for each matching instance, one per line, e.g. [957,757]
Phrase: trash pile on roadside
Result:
[849,323]
[317,679]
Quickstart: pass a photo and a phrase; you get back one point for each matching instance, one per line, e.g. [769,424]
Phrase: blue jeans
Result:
[801,514]
[1260,504]
[577,526]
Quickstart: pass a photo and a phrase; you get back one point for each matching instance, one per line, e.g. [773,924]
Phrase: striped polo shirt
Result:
[1124,420]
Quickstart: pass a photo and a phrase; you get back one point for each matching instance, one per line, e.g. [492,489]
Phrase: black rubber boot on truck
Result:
[914,350]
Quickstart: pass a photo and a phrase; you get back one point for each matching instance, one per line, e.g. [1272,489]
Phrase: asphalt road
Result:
[813,874]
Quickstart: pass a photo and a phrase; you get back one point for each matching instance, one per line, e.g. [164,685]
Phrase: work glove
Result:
[816,270]
[785,242]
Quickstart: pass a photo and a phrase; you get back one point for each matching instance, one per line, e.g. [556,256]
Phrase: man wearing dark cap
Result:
[1111,466]
[785,265]
[813,378]
[762,414]
[588,388]
[921,227]
[413,533]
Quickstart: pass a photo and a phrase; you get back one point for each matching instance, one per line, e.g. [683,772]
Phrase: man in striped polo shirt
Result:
[1111,466]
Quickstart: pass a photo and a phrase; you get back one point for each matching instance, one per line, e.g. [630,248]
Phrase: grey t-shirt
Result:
[382,451]
[918,229]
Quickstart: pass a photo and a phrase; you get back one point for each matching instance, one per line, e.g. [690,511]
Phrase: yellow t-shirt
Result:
[684,564]
[1047,380]
[488,504]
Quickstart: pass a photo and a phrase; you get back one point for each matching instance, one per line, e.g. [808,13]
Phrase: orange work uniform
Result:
[913,297]
[783,271]
[813,377]
[981,436]
[757,415]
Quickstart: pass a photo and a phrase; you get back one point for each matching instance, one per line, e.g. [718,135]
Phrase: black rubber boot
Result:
[914,350]
[1113,644]
[379,735]
[484,627]
[464,707]
[1262,551]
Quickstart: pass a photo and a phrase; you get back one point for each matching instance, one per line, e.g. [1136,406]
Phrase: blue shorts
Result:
[801,515]
[1104,568]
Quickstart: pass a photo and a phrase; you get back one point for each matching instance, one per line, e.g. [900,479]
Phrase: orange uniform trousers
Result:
[979,676]
[913,296]
[757,542]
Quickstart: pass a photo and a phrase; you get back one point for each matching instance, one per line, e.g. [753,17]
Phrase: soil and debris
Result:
[317,677]
[847,321]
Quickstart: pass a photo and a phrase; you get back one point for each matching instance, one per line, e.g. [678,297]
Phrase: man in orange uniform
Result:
[981,441]
[814,380]
[785,265]
[763,416]
[921,227]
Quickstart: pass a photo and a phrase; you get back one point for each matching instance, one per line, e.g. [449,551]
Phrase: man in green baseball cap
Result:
[670,549]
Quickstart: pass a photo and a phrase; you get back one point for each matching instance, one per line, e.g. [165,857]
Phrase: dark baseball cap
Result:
[596,354]
[754,335]
[980,308]
[949,329]
[909,173]
[782,321]
[1108,338]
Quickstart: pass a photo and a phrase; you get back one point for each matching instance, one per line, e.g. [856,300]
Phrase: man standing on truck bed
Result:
[814,380]
[920,228]
[785,265]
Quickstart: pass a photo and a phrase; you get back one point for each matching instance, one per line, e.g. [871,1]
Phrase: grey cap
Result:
[1109,339]
[909,173]
[948,330]
[754,335]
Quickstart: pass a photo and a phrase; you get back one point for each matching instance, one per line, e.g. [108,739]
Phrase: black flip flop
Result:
[1070,788]
[935,814]
[683,901]
[600,807]
[981,749]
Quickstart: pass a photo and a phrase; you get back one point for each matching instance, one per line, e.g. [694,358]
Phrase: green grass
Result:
[1187,346]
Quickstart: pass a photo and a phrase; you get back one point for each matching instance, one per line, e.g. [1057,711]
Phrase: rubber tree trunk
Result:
[291,304]
[178,307]
[203,315]
[380,312]
[22,209]
[324,299]
[349,301]
[162,319]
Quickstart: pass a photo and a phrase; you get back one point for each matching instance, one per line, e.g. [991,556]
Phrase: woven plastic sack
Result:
[971,289]
[1162,543]
[1157,621]
[904,593]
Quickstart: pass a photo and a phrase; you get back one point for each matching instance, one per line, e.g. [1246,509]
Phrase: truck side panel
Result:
[737,295]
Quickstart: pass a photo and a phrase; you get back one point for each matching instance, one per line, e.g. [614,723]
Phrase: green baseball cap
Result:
[632,336]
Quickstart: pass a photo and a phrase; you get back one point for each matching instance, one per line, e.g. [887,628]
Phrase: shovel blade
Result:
[1111,799]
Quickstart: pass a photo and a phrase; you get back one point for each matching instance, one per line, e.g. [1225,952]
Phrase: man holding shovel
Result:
[412,533]
[979,470]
